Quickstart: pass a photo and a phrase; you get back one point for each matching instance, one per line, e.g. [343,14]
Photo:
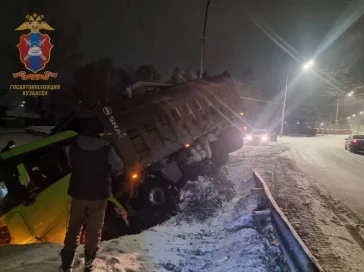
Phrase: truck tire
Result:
[157,193]
[352,149]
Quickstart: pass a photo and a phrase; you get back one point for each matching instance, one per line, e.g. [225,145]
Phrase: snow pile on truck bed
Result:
[214,231]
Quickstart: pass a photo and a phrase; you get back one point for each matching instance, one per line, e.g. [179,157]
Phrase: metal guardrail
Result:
[298,256]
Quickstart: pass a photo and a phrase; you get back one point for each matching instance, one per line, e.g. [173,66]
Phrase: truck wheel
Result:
[156,192]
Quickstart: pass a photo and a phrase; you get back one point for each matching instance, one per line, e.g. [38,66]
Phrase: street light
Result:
[306,66]
[203,39]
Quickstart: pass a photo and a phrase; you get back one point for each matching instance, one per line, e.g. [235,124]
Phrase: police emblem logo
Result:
[35,47]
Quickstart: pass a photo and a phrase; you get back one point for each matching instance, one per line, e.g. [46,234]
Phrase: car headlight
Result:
[249,137]
[264,138]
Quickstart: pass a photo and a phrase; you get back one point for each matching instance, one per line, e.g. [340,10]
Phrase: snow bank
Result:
[214,231]
[17,135]
[39,130]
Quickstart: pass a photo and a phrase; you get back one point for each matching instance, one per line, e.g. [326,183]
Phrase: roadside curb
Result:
[299,257]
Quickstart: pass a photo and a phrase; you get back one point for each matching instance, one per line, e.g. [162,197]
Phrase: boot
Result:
[67,260]
[89,261]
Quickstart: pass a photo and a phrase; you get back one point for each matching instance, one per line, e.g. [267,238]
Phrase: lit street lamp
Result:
[306,66]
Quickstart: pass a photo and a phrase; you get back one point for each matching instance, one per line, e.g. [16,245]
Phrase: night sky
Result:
[110,29]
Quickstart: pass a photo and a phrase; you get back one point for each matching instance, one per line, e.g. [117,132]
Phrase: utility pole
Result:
[284,107]
[337,113]
[203,39]
[358,118]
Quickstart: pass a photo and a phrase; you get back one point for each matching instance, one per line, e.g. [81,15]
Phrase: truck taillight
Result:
[354,141]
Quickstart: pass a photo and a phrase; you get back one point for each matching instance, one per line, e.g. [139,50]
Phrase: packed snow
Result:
[17,135]
[214,231]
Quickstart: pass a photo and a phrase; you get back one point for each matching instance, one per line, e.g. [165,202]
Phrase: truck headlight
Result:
[264,138]
[249,137]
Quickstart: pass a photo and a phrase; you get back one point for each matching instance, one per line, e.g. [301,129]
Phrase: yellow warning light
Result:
[187,145]
[134,176]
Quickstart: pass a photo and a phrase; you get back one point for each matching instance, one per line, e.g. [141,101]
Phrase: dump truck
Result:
[157,133]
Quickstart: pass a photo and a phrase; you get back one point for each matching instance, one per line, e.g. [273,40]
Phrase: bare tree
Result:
[187,76]
[204,74]
[177,76]
[344,58]
[147,73]
[100,80]
[342,82]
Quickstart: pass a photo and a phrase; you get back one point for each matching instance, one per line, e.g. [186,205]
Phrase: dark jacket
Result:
[91,160]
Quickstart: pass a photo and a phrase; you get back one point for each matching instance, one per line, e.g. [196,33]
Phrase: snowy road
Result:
[335,170]
[17,135]
[320,187]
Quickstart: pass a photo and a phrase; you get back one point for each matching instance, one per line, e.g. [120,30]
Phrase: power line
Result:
[140,22]
[279,103]
[264,101]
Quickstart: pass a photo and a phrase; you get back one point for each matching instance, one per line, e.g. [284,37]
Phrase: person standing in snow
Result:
[91,159]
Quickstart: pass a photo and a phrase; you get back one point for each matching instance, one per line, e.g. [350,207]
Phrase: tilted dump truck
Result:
[157,135]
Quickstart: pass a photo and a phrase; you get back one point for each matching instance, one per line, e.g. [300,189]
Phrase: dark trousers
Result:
[90,212]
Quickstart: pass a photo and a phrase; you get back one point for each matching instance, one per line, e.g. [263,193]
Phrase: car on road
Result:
[355,142]
[258,137]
